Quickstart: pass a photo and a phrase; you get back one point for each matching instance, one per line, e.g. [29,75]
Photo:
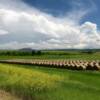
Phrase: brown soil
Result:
[7,96]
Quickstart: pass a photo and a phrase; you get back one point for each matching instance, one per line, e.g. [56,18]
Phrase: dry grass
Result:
[7,96]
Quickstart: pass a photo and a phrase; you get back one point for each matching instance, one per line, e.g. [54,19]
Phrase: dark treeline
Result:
[26,52]
[32,52]
[20,53]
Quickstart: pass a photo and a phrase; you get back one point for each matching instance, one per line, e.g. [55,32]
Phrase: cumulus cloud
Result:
[3,32]
[22,26]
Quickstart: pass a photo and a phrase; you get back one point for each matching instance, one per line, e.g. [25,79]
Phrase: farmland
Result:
[39,83]
[73,55]
[67,64]
[61,75]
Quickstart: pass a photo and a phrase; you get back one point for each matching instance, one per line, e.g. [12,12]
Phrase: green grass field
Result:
[40,83]
[53,55]
[77,56]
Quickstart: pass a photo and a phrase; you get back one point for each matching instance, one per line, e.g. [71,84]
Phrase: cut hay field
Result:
[39,83]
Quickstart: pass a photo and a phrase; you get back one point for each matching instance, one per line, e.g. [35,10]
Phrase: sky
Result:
[49,24]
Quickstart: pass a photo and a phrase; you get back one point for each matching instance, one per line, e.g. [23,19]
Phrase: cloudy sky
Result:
[49,24]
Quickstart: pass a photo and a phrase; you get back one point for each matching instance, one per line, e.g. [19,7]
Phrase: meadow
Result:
[54,54]
[32,82]
[38,83]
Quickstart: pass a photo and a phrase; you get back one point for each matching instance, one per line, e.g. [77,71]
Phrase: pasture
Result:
[50,75]
[52,55]
[39,83]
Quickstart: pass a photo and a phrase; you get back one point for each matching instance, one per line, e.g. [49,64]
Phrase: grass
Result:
[79,56]
[39,83]
[26,82]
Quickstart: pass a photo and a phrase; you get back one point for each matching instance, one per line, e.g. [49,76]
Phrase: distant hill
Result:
[30,49]
[26,49]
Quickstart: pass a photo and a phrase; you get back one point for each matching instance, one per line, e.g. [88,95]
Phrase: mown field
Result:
[39,83]
[80,55]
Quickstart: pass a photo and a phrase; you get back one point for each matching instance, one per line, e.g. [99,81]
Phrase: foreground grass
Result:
[25,82]
[40,83]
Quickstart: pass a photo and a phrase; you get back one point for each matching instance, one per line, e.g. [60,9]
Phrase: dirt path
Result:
[7,96]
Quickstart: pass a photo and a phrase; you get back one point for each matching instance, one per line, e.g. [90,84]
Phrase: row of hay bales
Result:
[68,64]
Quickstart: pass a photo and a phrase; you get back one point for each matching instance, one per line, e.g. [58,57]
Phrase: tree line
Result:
[20,53]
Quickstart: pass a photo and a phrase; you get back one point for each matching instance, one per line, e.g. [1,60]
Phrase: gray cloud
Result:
[22,26]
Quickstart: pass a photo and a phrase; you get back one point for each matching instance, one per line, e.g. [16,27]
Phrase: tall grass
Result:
[40,83]
[26,82]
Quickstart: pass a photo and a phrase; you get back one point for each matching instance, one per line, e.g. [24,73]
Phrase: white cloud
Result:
[31,28]
[3,32]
